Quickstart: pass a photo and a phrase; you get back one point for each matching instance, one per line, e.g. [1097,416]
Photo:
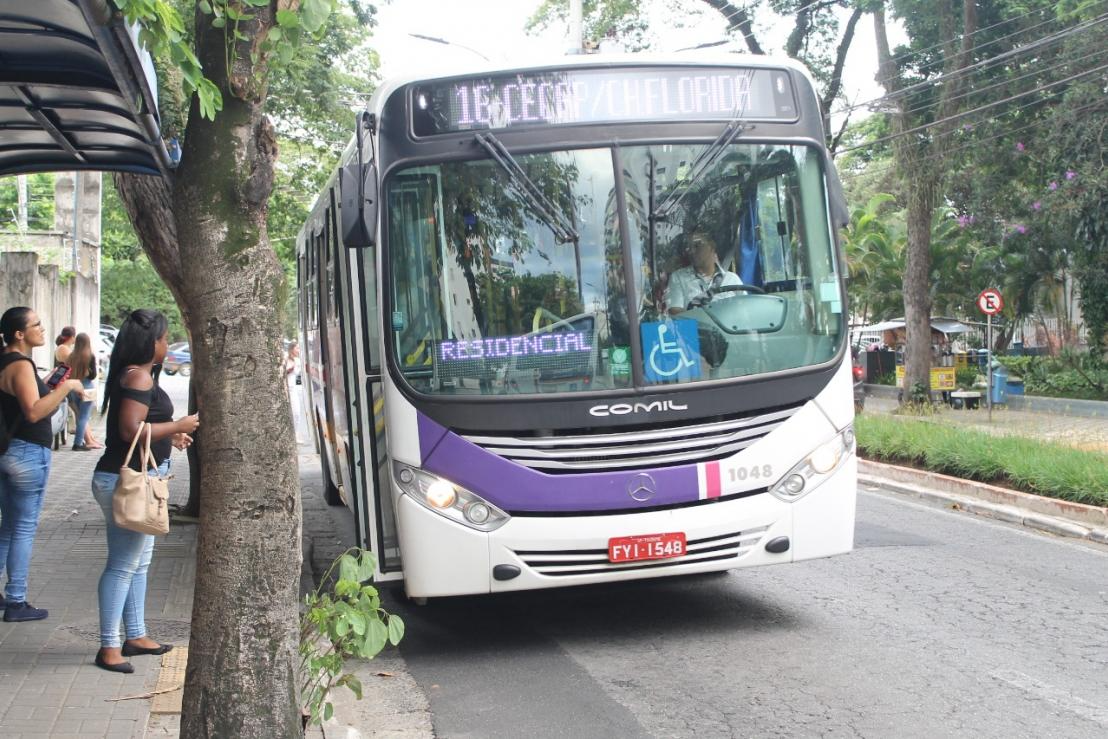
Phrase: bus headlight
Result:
[448,499]
[816,467]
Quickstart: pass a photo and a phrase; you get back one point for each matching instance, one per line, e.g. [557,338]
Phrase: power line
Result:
[1044,41]
[978,47]
[975,143]
[918,52]
[963,114]
[977,91]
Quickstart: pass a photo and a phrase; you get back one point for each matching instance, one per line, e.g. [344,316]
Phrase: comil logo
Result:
[623,409]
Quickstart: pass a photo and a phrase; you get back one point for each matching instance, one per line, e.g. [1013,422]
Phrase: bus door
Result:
[331,325]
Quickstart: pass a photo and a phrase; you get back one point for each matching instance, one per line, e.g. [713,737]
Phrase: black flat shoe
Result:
[81,448]
[124,667]
[130,650]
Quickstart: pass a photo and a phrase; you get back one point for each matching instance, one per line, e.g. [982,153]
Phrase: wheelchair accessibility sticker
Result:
[672,350]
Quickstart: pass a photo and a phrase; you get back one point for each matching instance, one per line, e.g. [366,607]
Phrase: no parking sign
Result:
[990,301]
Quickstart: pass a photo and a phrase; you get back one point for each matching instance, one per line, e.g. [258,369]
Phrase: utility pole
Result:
[576,35]
[21,216]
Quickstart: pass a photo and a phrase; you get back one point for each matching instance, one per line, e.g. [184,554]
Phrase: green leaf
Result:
[288,19]
[358,622]
[348,568]
[328,711]
[205,7]
[367,563]
[375,639]
[396,629]
[274,34]
[355,685]
[313,14]
[342,627]
[219,22]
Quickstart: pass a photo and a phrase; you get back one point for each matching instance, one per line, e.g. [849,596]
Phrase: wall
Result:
[23,281]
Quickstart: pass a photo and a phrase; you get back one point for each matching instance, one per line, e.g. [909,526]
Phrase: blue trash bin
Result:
[1000,384]
[1015,386]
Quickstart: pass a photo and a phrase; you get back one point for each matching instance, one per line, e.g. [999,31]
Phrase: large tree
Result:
[919,159]
[205,230]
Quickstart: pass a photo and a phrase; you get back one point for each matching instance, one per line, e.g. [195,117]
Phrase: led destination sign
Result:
[504,347]
[601,96]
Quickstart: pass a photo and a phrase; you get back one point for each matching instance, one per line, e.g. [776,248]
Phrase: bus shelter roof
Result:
[77,92]
[942,325]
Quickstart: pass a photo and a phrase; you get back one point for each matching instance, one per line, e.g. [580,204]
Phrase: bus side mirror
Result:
[358,205]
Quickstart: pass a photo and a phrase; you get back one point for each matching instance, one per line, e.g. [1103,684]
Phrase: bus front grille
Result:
[628,450]
[570,562]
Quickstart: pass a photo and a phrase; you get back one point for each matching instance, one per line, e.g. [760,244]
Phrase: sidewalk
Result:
[51,686]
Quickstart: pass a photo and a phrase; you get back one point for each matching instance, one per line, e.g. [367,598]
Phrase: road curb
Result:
[1058,517]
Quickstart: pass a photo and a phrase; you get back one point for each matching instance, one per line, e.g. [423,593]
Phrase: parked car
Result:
[103,348]
[178,360]
[859,373]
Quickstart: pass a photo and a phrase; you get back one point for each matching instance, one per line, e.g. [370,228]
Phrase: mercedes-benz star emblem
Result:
[642,487]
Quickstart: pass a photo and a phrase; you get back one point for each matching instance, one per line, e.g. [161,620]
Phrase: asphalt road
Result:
[939,624]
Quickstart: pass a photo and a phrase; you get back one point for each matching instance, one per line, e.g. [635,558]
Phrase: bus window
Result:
[720,297]
[486,293]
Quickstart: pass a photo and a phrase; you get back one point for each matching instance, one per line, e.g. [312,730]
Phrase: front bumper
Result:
[444,558]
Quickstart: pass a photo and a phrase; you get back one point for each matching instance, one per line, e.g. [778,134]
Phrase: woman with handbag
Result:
[83,363]
[134,404]
[26,406]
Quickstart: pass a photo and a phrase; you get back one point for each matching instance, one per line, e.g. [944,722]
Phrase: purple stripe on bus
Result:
[514,487]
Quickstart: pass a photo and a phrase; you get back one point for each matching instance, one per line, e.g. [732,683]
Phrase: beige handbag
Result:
[140,501]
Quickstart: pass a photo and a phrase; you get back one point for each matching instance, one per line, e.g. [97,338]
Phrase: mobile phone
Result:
[59,375]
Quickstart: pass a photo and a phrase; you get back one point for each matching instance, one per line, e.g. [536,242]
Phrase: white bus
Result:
[583,322]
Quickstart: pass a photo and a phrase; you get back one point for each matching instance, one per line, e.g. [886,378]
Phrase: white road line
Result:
[1059,697]
[973,518]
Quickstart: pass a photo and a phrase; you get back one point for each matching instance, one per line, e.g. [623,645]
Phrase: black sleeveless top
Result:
[39,432]
[115,446]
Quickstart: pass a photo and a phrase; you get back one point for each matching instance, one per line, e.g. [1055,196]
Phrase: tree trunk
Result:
[207,237]
[917,291]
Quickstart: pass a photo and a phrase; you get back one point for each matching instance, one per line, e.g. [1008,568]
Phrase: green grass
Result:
[1039,467]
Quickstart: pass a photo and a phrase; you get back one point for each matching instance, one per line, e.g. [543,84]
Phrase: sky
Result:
[494,29]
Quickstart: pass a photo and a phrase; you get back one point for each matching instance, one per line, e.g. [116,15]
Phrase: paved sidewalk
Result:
[51,686]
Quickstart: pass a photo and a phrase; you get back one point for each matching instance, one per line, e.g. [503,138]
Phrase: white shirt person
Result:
[693,283]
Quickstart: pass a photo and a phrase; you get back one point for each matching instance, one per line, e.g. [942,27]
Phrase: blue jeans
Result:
[122,589]
[23,472]
[84,412]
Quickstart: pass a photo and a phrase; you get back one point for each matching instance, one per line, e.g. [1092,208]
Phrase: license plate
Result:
[649,546]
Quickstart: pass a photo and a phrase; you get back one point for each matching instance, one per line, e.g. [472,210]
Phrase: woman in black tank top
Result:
[131,397]
[26,404]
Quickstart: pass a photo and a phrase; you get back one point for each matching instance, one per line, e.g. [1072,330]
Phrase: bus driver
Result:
[689,286]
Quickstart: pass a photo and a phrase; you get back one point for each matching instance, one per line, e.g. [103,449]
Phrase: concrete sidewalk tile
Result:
[66,726]
[98,726]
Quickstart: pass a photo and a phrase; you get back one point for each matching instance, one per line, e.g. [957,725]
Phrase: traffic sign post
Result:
[990,302]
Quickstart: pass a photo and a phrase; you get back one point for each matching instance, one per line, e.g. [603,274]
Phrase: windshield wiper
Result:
[700,167]
[550,214]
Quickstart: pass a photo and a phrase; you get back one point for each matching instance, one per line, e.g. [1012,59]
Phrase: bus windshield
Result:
[515,280]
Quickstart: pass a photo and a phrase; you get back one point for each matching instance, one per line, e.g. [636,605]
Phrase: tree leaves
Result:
[343,623]
[162,33]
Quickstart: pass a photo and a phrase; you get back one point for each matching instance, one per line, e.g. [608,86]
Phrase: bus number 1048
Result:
[754,472]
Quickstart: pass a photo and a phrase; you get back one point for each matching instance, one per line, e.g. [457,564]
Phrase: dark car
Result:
[178,360]
[859,373]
